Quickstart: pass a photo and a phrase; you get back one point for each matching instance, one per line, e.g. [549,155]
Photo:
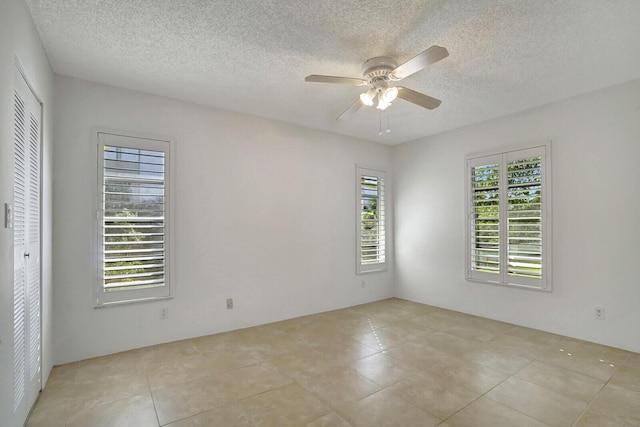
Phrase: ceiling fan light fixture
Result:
[382,104]
[379,72]
[389,94]
[367,97]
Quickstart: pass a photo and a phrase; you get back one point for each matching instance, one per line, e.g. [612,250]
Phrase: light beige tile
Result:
[221,341]
[612,355]
[431,360]
[485,412]
[409,331]
[536,336]
[357,326]
[228,359]
[303,359]
[538,402]
[232,414]
[440,398]
[521,345]
[633,362]
[289,405]
[346,352]
[381,339]
[384,318]
[386,409]
[627,378]
[254,379]
[617,403]
[455,316]
[137,411]
[89,392]
[433,322]
[490,325]
[337,386]
[383,369]
[191,398]
[329,420]
[321,334]
[110,364]
[275,344]
[59,391]
[593,419]
[177,370]
[496,357]
[473,376]
[471,333]
[419,354]
[563,381]
[172,350]
[50,411]
[62,374]
[581,362]
[452,344]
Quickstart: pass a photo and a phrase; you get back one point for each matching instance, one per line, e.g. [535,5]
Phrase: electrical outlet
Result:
[229,303]
[164,313]
[363,284]
[600,313]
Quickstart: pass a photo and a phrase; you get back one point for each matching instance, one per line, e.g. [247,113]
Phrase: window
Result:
[508,205]
[371,240]
[134,212]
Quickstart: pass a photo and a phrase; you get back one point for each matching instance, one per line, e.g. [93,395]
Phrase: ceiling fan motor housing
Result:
[376,70]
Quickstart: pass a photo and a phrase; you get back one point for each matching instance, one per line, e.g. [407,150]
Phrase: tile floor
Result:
[388,363]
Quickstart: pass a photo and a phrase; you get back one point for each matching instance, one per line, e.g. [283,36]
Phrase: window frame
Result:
[502,158]
[132,140]
[375,267]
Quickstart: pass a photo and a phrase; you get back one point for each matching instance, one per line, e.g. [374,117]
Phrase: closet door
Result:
[26,258]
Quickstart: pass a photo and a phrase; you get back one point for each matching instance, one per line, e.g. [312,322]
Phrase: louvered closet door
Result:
[26,232]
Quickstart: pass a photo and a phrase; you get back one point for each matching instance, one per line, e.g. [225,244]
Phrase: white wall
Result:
[265,214]
[19,38]
[596,214]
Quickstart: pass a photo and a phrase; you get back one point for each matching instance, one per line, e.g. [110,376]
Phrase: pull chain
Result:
[388,129]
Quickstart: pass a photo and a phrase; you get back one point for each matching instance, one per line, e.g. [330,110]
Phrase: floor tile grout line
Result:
[586,409]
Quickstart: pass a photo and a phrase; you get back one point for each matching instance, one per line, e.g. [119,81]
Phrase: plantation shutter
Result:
[524,213]
[508,226]
[485,216]
[372,220]
[134,226]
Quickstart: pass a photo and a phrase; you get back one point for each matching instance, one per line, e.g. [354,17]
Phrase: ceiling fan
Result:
[378,72]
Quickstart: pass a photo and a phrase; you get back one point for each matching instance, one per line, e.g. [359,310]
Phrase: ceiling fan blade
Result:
[419,62]
[333,79]
[346,114]
[418,98]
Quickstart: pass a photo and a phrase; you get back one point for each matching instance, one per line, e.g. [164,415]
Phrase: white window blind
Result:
[524,217]
[485,248]
[134,211]
[371,221]
[509,224]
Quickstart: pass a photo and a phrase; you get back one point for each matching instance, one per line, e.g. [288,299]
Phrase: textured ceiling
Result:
[252,56]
